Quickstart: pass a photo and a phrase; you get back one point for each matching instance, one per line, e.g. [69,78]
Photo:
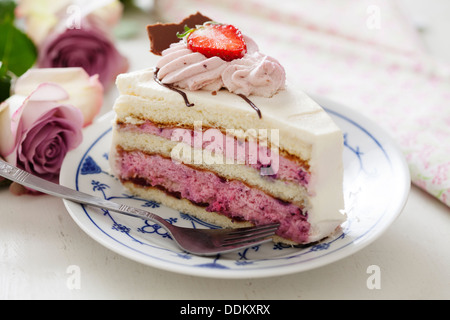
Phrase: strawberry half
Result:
[217,40]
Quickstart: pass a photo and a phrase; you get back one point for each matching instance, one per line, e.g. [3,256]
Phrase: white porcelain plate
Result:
[376,186]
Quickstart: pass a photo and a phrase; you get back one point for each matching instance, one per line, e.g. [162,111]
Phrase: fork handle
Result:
[28,180]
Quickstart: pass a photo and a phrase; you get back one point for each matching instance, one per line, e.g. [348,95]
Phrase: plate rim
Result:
[376,132]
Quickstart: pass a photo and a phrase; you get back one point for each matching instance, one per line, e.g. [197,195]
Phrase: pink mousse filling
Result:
[278,167]
[231,198]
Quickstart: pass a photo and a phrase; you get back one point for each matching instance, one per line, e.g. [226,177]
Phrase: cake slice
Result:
[228,141]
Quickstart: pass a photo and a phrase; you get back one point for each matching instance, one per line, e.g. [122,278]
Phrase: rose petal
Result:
[108,12]
[41,16]
[53,125]
[36,132]
[85,93]
[7,139]
[39,102]
[62,50]
[49,92]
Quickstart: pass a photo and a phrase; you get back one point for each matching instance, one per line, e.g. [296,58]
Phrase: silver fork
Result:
[202,242]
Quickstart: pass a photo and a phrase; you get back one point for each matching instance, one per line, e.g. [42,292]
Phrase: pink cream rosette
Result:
[38,128]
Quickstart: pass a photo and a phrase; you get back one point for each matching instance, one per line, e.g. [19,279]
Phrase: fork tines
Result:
[250,234]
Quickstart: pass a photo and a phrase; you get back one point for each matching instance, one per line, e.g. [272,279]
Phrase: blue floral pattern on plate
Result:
[374,171]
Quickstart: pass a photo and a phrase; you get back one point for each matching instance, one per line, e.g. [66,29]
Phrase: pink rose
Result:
[85,93]
[37,131]
[88,47]
[42,17]
[75,33]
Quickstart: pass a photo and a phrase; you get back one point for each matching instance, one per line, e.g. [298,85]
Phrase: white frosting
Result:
[305,130]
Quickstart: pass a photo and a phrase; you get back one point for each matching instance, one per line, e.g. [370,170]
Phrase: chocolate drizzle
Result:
[186,100]
[251,104]
[163,35]
[168,86]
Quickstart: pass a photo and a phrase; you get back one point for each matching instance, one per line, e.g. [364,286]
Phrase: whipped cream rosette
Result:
[213,56]
[253,74]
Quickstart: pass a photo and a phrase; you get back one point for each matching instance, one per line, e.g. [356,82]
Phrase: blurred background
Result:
[387,59]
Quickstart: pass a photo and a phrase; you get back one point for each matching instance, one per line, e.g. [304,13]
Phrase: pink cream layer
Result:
[269,164]
[231,198]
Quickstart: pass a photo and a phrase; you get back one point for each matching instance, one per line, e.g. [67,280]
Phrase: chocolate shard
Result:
[162,35]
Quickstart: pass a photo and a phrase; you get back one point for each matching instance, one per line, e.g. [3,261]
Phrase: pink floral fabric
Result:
[363,54]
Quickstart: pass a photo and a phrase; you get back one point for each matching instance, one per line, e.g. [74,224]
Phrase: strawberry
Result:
[221,40]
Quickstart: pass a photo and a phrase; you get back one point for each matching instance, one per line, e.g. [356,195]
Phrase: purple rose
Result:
[38,131]
[87,47]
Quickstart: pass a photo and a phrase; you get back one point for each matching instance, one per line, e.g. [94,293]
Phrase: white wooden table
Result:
[41,247]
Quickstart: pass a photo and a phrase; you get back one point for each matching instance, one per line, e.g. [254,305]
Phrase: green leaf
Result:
[7,10]
[5,88]
[186,32]
[17,52]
